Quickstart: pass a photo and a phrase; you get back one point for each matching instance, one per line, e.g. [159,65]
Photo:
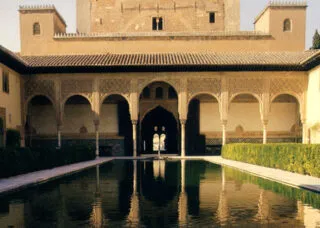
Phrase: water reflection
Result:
[160,194]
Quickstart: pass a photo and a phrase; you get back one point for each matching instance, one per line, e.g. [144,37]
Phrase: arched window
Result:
[36,28]
[287,25]
[146,92]
[159,93]
[172,93]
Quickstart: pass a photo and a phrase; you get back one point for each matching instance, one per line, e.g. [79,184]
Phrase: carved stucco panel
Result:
[245,85]
[39,87]
[77,87]
[204,85]
[294,86]
[114,86]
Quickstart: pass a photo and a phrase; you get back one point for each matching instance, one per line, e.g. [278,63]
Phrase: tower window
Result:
[5,81]
[36,28]
[212,17]
[157,23]
[287,25]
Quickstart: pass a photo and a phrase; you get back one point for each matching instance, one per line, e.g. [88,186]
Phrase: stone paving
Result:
[42,176]
[284,177]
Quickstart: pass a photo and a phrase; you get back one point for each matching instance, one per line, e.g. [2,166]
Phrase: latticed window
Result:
[159,93]
[287,25]
[146,92]
[157,23]
[36,28]
[5,81]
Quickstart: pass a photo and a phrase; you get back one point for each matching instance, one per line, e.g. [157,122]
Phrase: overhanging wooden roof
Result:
[210,61]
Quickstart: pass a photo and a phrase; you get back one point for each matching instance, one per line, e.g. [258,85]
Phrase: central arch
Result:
[159,121]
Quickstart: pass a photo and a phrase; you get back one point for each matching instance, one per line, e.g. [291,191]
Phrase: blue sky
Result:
[9,23]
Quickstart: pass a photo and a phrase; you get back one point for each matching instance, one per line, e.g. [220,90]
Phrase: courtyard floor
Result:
[30,179]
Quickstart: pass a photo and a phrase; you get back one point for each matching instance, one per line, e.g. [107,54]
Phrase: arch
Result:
[105,97]
[204,93]
[36,28]
[287,25]
[154,107]
[37,95]
[293,94]
[64,101]
[245,93]
[159,117]
[146,84]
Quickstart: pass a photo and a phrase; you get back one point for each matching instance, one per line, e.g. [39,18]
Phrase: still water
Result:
[161,194]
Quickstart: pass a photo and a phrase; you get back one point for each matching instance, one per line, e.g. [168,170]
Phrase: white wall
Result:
[313,104]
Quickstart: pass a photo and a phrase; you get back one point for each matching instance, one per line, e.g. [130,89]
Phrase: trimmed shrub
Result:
[13,138]
[298,158]
[15,161]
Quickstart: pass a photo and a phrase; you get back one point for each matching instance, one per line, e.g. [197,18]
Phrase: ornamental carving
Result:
[114,86]
[295,85]
[204,85]
[245,85]
[39,87]
[77,87]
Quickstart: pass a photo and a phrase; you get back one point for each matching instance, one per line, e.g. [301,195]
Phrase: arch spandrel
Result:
[196,86]
[37,87]
[71,88]
[246,85]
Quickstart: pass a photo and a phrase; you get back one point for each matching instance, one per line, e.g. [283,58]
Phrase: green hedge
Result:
[15,161]
[13,138]
[298,158]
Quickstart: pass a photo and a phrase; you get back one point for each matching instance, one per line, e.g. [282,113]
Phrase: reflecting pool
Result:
[160,194]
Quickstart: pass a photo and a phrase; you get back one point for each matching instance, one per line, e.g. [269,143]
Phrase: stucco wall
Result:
[281,118]
[11,101]
[313,105]
[75,117]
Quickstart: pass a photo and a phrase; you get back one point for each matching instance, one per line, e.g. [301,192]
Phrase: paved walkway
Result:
[38,177]
[284,177]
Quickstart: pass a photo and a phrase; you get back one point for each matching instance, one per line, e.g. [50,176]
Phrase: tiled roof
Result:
[174,59]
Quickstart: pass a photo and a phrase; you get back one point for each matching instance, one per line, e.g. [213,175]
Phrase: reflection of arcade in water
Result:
[155,194]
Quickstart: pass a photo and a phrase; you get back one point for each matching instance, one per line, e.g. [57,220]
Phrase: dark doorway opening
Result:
[159,122]
[1,133]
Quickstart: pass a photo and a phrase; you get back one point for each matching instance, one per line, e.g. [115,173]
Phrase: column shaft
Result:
[183,138]
[96,124]
[265,132]
[224,134]
[59,136]
[134,137]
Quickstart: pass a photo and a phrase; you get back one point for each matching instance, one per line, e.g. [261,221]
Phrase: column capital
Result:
[59,126]
[183,121]
[134,122]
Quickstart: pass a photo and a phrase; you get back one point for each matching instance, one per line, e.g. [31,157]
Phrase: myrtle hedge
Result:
[298,158]
[15,161]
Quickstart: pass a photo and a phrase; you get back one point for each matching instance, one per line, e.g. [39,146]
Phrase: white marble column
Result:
[59,135]
[265,124]
[224,134]
[134,137]
[96,124]
[183,138]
